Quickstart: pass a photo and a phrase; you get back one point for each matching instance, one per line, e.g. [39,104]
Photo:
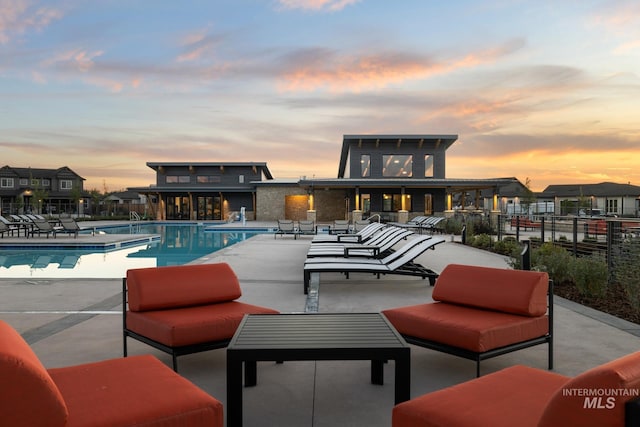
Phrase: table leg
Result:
[403,377]
[377,372]
[250,373]
[234,392]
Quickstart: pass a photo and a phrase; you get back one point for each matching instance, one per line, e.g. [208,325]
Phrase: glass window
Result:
[24,182]
[46,182]
[393,202]
[6,182]
[397,165]
[365,165]
[184,179]
[177,179]
[428,166]
[66,184]
[207,179]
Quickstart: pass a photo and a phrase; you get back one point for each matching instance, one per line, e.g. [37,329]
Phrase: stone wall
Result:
[270,201]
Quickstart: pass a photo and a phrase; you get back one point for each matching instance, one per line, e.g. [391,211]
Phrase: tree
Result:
[528,197]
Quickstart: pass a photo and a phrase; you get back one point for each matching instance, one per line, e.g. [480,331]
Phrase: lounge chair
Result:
[8,227]
[340,226]
[377,246]
[43,227]
[69,226]
[286,226]
[360,224]
[358,237]
[307,227]
[430,223]
[398,262]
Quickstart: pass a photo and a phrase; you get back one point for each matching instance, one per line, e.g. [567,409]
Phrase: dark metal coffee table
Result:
[344,336]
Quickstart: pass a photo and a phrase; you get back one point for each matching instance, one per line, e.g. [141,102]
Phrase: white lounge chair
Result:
[398,262]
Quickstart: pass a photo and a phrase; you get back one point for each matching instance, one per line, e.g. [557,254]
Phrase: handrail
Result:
[133,216]
[378,215]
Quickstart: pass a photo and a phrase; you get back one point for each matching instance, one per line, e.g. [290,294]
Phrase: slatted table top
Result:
[316,331]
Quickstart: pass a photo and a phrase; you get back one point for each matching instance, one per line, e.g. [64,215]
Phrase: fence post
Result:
[464,234]
[575,237]
[525,256]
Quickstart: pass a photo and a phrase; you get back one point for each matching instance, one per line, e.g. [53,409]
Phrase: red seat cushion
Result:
[137,390]
[28,395]
[192,325]
[514,396]
[157,288]
[596,397]
[465,327]
[511,291]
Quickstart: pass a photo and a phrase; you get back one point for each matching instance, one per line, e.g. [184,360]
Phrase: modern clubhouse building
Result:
[395,177]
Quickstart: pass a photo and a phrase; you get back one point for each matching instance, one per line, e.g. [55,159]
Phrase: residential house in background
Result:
[125,202]
[50,191]
[607,198]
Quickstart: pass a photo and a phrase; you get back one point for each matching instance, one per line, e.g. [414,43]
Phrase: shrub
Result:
[508,246]
[452,226]
[626,272]
[590,275]
[554,260]
[481,241]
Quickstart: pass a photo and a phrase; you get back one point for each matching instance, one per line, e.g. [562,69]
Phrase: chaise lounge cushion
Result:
[510,291]
[132,391]
[618,376]
[28,395]
[158,288]
[465,327]
[192,325]
[515,396]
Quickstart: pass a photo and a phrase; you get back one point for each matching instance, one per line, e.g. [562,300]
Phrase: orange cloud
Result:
[17,17]
[314,69]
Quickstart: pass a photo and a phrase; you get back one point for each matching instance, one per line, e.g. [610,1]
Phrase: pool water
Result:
[178,245]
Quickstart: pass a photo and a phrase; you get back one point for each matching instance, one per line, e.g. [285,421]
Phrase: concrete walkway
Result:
[71,321]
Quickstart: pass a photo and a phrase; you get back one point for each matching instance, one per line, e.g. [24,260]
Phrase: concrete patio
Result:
[71,321]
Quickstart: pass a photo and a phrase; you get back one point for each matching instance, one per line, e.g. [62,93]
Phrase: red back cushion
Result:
[28,395]
[510,291]
[158,288]
[596,398]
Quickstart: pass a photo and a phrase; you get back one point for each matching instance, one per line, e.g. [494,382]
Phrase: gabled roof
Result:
[603,189]
[439,141]
[64,171]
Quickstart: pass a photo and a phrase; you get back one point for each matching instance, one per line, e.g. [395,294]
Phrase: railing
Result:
[133,216]
[374,215]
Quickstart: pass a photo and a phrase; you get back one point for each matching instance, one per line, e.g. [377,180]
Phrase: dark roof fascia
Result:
[154,190]
[447,140]
[39,172]
[261,165]
[459,184]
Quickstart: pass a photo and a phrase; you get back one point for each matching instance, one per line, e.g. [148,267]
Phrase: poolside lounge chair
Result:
[69,226]
[340,226]
[378,246]
[43,227]
[398,262]
[430,223]
[307,227]
[358,237]
[360,224]
[286,226]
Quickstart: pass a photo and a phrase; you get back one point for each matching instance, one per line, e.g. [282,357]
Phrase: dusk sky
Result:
[547,90]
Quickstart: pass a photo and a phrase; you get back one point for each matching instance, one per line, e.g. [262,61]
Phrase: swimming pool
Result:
[177,244]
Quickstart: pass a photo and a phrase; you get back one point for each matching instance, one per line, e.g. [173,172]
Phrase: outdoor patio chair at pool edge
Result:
[340,226]
[307,227]
[358,237]
[286,226]
[43,227]
[378,246]
[69,226]
[398,262]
